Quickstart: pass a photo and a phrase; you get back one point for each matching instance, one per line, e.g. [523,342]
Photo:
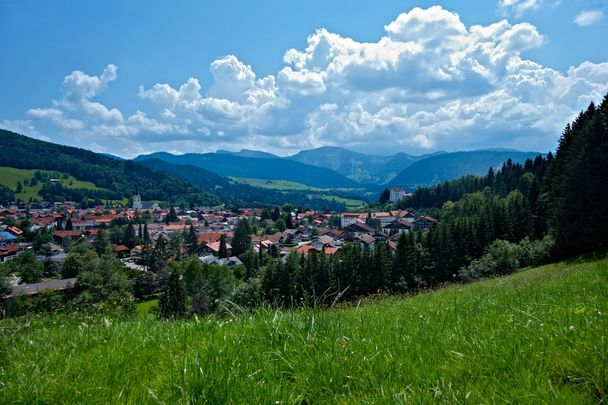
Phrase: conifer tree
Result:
[172,303]
[223,252]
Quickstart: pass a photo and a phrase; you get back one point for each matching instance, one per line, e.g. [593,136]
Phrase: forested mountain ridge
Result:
[335,167]
[119,178]
[239,195]
[449,166]
[361,167]
[227,164]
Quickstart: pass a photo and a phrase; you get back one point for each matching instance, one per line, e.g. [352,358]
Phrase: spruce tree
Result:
[172,303]
[223,251]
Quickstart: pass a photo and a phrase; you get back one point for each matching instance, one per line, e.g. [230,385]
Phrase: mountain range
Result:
[215,177]
[236,165]
[333,167]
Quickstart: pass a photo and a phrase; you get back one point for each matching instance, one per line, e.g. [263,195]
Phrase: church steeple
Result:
[137,200]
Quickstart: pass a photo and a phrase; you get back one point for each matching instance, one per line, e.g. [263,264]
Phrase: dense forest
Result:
[119,178]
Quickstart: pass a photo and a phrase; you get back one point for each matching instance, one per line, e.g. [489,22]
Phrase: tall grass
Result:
[540,335]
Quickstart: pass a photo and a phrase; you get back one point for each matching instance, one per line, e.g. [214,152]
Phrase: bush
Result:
[534,252]
[104,286]
[200,303]
[247,293]
[503,257]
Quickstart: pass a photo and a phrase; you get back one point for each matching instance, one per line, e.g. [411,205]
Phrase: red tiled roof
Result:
[15,231]
[215,246]
[330,250]
[210,237]
[8,250]
[305,249]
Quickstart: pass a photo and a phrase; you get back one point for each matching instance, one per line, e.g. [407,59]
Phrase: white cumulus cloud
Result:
[430,82]
[588,17]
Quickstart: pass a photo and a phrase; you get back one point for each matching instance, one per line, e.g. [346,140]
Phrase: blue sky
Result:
[412,76]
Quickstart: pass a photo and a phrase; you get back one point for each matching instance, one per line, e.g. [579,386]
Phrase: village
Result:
[279,232]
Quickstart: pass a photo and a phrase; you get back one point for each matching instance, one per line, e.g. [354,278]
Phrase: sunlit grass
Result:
[539,336]
[10,176]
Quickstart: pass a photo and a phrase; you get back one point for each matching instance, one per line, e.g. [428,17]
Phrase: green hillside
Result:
[10,176]
[115,179]
[538,336]
[275,184]
[448,166]
[231,165]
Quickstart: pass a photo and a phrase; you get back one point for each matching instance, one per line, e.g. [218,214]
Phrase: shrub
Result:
[534,252]
[501,257]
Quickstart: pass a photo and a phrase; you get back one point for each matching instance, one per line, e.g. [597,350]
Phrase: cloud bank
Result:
[429,83]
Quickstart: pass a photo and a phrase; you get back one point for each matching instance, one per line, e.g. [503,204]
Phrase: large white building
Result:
[137,205]
[347,219]
[396,194]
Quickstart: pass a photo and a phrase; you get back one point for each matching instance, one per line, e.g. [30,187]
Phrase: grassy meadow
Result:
[538,336]
[285,185]
[350,203]
[10,176]
[275,184]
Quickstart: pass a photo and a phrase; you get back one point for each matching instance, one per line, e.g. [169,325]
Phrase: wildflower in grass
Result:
[530,322]
[571,328]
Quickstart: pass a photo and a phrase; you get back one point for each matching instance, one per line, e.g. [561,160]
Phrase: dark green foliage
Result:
[102,243]
[511,176]
[29,269]
[200,303]
[172,303]
[6,194]
[44,302]
[385,196]
[104,284]
[241,241]
[73,265]
[129,236]
[191,240]
[171,216]
[503,257]
[223,253]
[577,184]
[4,284]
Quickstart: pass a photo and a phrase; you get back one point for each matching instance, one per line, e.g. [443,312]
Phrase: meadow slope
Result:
[540,335]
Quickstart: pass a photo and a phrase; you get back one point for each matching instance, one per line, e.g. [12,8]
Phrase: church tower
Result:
[137,200]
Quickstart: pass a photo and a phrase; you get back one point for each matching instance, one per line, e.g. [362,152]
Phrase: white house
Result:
[348,218]
[396,194]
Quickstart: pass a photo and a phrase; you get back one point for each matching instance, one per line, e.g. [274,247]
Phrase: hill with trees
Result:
[116,179]
[240,195]
[449,166]
[227,164]
[363,168]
